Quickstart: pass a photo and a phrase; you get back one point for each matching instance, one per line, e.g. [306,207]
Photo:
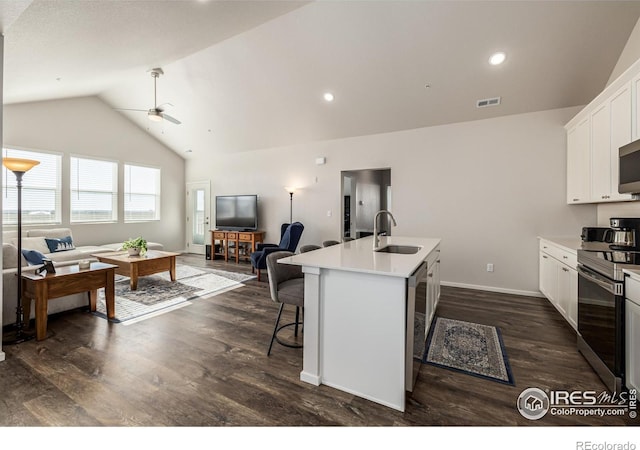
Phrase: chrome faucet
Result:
[376,239]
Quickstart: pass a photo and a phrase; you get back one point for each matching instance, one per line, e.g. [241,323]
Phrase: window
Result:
[41,189]
[94,190]
[141,193]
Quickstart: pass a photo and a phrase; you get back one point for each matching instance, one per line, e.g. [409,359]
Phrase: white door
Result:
[198,216]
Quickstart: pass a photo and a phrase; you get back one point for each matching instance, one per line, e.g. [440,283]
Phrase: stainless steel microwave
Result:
[629,168]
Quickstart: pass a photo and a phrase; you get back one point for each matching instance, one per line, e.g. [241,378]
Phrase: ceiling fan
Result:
[156,113]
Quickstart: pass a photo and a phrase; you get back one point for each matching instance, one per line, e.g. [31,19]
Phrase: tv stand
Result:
[242,241]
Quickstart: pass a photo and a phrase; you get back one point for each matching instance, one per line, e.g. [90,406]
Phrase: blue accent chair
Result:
[289,237]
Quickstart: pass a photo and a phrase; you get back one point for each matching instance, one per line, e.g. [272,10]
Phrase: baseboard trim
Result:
[1,356]
[310,378]
[493,289]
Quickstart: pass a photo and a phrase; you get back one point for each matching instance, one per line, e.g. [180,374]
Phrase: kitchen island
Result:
[357,319]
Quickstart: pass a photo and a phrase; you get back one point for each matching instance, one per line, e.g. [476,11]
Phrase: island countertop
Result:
[358,256]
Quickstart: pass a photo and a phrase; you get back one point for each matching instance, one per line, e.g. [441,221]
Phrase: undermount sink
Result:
[401,249]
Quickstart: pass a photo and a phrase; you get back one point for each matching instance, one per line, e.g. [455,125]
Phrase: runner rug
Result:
[157,294]
[469,348]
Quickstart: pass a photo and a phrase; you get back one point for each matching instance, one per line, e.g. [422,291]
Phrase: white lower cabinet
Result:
[436,278]
[431,294]
[632,333]
[558,280]
[568,294]
[549,277]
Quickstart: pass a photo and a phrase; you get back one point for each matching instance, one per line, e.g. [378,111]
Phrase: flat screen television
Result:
[237,212]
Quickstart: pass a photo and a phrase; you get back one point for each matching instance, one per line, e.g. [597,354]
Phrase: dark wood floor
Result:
[206,365]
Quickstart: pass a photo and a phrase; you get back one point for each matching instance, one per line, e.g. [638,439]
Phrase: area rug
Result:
[469,348]
[157,294]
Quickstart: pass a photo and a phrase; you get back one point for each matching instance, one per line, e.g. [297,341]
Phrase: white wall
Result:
[488,188]
[629,55]
[87,126]
[622,209]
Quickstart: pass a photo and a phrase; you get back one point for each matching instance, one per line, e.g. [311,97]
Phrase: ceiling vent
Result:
[488,102]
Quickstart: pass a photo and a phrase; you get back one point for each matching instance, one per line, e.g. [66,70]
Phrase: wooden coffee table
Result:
[153,261]
[66,281]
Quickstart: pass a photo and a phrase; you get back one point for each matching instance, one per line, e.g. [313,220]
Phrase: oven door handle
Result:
[604,284]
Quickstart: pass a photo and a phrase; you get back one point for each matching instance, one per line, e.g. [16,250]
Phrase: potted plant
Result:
[135,246]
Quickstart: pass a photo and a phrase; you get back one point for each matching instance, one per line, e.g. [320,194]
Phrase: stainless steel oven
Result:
[601,315]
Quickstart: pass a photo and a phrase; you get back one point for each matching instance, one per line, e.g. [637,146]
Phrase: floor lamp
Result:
[291,191]
[19,167]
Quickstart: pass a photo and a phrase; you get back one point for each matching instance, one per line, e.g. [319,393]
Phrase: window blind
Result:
[94,190]
[41,189]
[141,193]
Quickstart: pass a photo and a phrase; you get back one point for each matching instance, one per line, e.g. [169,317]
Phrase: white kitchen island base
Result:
[355,317]
[369,360]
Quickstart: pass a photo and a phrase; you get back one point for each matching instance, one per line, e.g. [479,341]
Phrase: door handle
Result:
[611,287]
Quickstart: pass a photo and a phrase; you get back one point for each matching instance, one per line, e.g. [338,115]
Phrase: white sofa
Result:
[34,239]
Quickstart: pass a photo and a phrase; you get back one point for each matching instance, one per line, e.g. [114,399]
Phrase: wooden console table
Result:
[237,237]
[66,281]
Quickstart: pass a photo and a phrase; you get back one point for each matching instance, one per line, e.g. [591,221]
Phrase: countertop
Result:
[569,243]
[358,256]
[634,274]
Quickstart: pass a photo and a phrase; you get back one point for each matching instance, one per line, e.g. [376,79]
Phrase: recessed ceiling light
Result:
[328,96]
[497,58]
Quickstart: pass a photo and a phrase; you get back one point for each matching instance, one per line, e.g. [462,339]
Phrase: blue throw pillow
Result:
[33,257]
[59,245]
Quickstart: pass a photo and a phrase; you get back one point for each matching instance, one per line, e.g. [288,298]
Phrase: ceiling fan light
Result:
[154,116]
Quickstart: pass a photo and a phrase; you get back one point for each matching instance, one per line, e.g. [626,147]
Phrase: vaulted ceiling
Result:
[245,75]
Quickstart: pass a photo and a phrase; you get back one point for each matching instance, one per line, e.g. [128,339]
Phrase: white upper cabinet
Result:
[594,136]
[620,127]
[578,163]
[600,153]
[610,130]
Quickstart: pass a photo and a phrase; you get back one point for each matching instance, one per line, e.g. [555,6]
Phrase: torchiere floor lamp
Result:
[291,191]
[19,167]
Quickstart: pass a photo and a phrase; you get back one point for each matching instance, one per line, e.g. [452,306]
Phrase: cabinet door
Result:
[549,277]
[564,289]
[436,281]
[635,88]
[620,111]
[578,163]
[600,153]
[632,326]
[568,294]
[431,293]
[572,305]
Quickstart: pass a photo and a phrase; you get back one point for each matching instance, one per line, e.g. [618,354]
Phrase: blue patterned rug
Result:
[469,348]
[157,294]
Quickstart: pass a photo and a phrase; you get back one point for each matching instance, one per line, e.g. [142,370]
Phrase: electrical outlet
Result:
[489,267]
[328,213]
